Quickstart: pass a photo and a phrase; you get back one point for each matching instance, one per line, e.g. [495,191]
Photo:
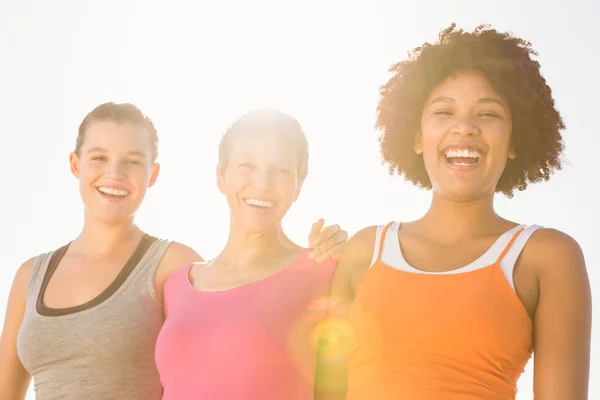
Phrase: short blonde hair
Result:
[267,120]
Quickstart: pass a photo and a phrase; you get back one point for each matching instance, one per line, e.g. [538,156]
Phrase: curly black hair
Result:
[507,63]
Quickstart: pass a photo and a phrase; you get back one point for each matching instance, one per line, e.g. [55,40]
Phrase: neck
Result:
[244,248]
[98,238]
[461,218]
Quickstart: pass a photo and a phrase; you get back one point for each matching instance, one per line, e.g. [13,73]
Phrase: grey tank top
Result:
[103,349]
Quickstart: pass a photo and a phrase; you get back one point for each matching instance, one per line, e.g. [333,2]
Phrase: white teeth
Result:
[462,153]
[113,191]
[259,203]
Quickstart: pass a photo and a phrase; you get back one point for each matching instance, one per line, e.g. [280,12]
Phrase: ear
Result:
[512,154]
[418,144]
[220,180]
[154,174]
[74,164]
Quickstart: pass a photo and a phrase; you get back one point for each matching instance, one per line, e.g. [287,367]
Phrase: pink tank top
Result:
[253,342]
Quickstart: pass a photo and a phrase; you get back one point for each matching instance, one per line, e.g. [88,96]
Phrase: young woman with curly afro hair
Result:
[452,305]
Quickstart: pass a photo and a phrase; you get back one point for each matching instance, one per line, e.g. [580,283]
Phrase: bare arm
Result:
[177,255]
[14,379]
[334,340]
[563,318]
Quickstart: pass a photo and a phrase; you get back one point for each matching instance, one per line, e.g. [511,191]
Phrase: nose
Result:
[264,178]
[116,170]
[466,127]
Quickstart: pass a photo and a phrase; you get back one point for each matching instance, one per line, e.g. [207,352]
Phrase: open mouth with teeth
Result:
[112,192]
[258,203]
[462,156]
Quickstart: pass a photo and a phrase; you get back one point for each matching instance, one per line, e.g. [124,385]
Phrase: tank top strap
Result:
[379,246]
[509,245]
[38,272]
[149,262]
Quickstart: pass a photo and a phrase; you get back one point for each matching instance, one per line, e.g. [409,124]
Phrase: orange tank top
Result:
[437,336]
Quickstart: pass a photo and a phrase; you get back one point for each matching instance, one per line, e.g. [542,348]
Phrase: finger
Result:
[338,237]
[331,254]
[314,232]
[323,242]
[341,235]
[325,234]
[337,241]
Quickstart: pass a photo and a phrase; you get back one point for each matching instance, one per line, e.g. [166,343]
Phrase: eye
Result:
[245,165]
[442,112]
[99,158]
[134,162]
[490,114]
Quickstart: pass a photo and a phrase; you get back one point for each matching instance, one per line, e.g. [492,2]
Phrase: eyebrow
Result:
[484,100]
[248,156]
[103,150]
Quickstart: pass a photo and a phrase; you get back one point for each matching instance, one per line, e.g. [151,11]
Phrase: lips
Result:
[112,191]
[463,155]
[261,203]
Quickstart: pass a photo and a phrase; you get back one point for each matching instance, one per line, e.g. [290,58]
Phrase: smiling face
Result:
[260,181]
[115,167]
[465,136]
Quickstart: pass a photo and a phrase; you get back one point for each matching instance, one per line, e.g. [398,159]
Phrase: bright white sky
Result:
[194,66]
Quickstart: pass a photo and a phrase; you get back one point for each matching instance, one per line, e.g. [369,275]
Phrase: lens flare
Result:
[333,337]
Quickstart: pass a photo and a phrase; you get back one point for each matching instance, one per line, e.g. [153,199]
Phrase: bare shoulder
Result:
[18,290]
[180,251]
[176,256]
[364,238]
[549,238]
[550,251]
[14,379]
[22,277]
[357,256]
[563,315]
[25,269]
[359,248]
[557,262]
